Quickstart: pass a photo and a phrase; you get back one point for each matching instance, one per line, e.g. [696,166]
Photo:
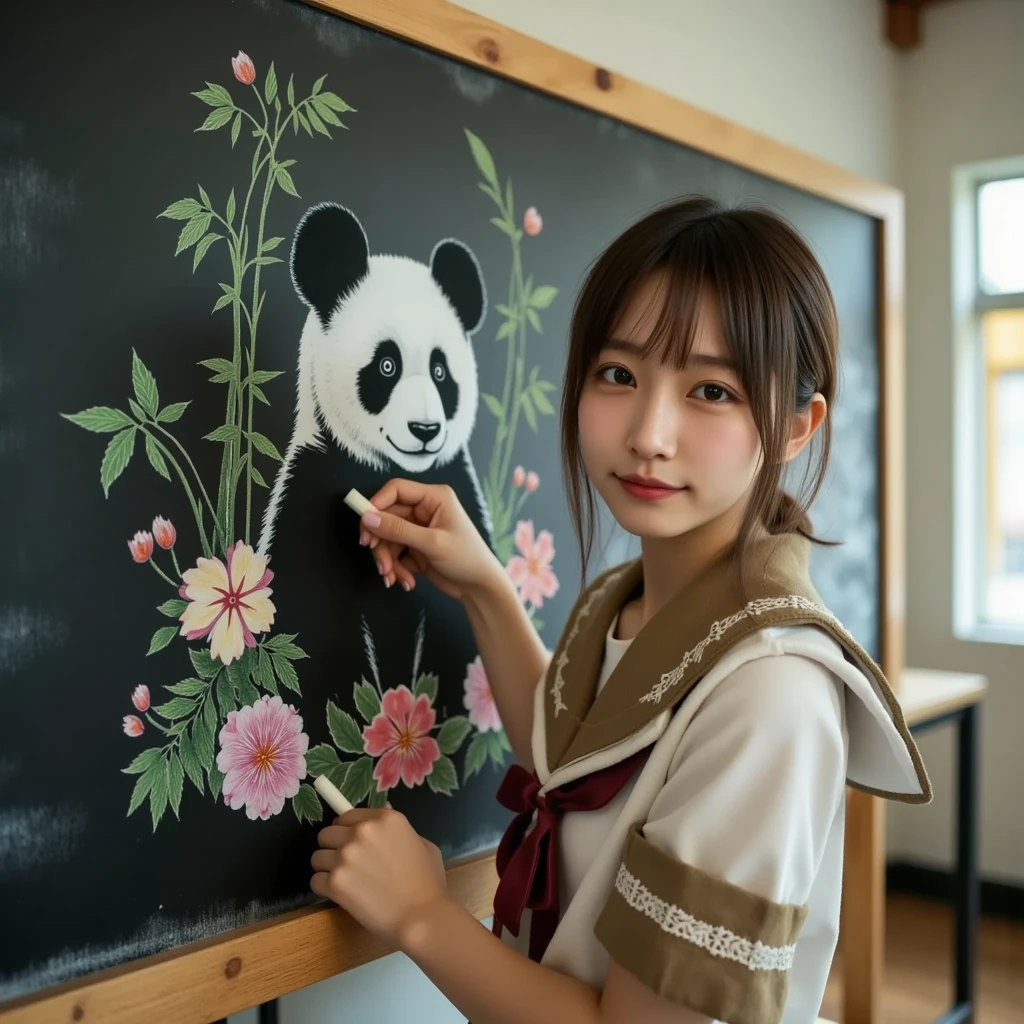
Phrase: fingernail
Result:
[374,541]
[380,569]
[371,519]
[387,582]
[363,535]
[405,585]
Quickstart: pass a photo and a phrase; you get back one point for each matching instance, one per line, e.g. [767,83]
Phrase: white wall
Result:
[961,100]
[815,74]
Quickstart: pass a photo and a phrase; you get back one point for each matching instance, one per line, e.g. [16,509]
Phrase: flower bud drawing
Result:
[164,532]
[532,222]
[140,698]
[141,546]
[243,68]
[532,481]
[133,725]
[518,476]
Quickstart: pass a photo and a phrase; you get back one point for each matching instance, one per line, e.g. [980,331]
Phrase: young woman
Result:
[679,791]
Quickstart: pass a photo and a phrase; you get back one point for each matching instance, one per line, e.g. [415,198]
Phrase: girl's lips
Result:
[647,492]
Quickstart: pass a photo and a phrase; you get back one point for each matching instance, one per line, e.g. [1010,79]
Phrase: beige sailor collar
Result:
[680,645]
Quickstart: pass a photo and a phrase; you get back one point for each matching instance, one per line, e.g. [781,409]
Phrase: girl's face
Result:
[668,450]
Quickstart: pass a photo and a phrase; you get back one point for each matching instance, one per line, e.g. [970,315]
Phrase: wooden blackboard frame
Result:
[231,972]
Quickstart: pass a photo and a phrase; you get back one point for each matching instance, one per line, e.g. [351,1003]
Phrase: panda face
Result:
[393,370]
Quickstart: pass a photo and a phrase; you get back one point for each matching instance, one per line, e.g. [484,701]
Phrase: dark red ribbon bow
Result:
[527,861]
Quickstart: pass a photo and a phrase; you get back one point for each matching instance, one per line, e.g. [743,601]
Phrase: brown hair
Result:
[779,322]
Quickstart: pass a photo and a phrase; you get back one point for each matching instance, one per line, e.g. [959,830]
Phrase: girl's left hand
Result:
[374,865]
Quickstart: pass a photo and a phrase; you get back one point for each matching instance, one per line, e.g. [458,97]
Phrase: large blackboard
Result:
[98,137]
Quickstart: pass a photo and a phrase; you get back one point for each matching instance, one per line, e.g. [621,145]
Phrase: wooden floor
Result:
[918,966]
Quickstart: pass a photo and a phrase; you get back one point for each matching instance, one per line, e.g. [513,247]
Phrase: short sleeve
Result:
[712,891]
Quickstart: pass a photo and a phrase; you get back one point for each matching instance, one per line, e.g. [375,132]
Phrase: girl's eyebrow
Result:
[696,359]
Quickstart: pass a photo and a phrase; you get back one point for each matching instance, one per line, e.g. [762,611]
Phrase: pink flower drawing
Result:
[141,546]
[140,697]
[532,222]
[164,532]
[518,476]
[133,725]
[228,602]
[243,68]
[483,712]
[262,756]
[399,737]
[531,570]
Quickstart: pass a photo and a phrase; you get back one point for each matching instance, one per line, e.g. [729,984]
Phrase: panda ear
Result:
[457,273]
[330,256]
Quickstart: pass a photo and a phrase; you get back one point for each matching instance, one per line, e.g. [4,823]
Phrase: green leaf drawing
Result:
[271,243]
[175,782]
[145,781]
[214,95]
[476,756]
[265,261]
[137,410]
[116,457]
[284,179]
[226,432]
[201,249]
[344,730]
[505,330]
[215,780]
[442,778]
[306,804]
[203,663]
[286,673]
[100,419]
[216,119]
[265,672]
[144,384]
[315,121]
[177,707]
[225,695]
[543,296]
[496,744]
[358,780]
[173,412]
[484,161]
[161,638]
[291,90]
[202,737]
[378,798]
[301,118]
[192,232]
[257,476]
[321,759]
[190,762]
[318,84]
[189,687]
[270,86]
[331,100]
[159,792]
[503,225]
[540,399]
[452,733]
[263,445]
[528,410]
[142,761]
[494,405]
[427,683]
[531,315]
[219,366]
[236,127]
[367,701]
[183,209]
[282,643]
[326,113]
[156,459]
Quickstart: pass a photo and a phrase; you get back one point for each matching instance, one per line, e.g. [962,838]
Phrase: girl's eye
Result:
[714,393]
[619,375]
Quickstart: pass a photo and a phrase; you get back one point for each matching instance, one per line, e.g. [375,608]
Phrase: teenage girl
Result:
[682,756]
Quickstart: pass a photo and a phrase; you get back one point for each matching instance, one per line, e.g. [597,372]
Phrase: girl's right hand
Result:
[424,529]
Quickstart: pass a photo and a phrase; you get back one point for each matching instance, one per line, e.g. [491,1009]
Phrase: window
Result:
[989,290]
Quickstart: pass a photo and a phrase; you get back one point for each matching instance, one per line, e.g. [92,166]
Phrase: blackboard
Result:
[103,176]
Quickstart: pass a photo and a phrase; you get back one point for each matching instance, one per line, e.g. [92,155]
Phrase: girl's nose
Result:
[654,430]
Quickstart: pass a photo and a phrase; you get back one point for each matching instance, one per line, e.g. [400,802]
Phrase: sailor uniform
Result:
[686,813]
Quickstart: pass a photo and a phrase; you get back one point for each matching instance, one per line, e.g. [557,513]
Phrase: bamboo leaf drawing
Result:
[484,161]
[284,179]
[264,445]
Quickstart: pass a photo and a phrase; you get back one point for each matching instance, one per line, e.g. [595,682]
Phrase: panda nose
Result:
[425,432]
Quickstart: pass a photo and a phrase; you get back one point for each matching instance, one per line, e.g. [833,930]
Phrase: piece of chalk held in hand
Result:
[357,503]
[331,794]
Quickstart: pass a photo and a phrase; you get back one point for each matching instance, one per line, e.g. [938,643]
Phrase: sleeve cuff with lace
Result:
[697,940]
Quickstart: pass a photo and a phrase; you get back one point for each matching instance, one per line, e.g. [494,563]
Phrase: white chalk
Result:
[357,503]
[331,794]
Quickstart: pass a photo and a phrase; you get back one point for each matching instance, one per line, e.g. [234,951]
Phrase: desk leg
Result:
[967,897]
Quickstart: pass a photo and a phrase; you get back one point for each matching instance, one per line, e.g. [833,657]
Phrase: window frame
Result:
[972,416]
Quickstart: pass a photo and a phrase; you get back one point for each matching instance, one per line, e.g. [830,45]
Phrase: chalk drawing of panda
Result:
[387,386]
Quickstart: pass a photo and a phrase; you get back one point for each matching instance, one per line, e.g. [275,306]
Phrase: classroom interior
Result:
[910,112]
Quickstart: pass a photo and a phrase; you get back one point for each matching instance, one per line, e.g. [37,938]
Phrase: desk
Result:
[931,698]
